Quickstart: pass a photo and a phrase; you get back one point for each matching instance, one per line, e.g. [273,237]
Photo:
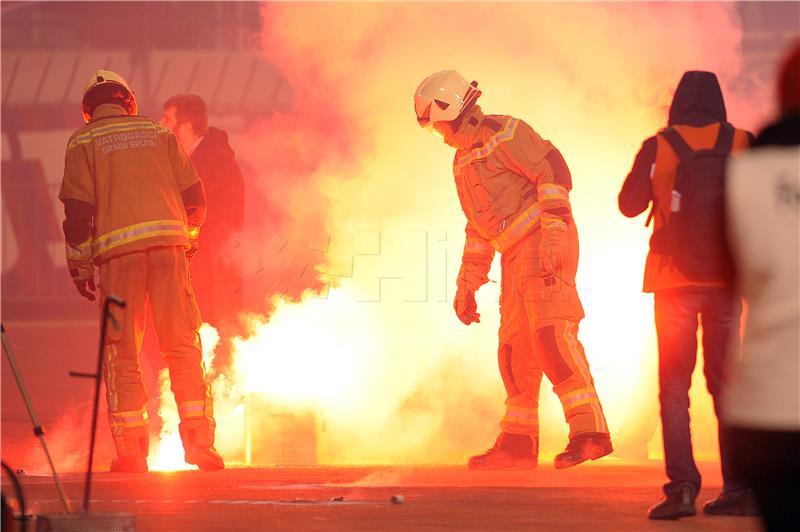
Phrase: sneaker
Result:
[588,446]
[207,459]
[739,503]
[129,464]
[510,451]
[675,505]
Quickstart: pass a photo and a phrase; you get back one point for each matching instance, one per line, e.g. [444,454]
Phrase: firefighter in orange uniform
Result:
[514,190]
[134,206]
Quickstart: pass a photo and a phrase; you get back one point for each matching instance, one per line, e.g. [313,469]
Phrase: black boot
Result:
[510,451]
[587,446]
[738,503]
[198,443]
[679,503]
[207,459]
[129,464]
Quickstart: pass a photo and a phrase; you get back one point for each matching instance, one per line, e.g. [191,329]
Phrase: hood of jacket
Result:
[214,145]
[697,101]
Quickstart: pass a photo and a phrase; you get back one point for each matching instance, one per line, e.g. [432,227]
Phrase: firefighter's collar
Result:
[465,136]
[105,110]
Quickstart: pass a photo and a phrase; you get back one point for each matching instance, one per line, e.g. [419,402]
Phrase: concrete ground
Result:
[607,495]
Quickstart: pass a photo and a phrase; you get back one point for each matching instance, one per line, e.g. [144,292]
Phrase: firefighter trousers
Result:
[156,277]
[539,316]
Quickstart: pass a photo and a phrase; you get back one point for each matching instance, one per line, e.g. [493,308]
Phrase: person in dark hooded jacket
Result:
[697,115]
[216,276]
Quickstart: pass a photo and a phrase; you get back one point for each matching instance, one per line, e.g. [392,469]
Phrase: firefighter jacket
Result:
[127,186]
[510,183]
[696,113]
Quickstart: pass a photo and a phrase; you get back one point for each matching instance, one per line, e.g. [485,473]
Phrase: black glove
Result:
[191,251]
[85,288]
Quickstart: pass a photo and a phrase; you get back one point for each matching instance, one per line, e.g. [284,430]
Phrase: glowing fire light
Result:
[308,352]
[169,453]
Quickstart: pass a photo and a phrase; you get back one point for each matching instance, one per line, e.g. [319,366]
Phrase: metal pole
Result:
[98,378]
[37,428]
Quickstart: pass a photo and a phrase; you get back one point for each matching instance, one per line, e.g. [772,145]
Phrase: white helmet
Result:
[102,78]
[443,96]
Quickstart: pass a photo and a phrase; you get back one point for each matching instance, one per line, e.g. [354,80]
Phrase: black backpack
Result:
[694,235]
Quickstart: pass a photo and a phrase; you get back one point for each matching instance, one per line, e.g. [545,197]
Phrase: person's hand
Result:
[86,288]
[466,307]
[191,251]
[552,249]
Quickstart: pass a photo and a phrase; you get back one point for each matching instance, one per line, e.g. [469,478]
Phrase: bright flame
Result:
[306,352]
[169,453]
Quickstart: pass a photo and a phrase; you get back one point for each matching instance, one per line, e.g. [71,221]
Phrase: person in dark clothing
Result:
[216,276]
[698,116]
[762,397]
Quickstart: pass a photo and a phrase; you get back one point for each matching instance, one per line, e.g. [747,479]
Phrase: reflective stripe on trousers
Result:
[539,336]
[160,275]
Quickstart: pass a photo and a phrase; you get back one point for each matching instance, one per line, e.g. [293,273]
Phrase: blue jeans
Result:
[676,313]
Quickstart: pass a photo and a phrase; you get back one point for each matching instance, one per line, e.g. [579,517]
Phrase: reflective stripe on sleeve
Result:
[80,252]
[516,230]
[552,192]
[478,247]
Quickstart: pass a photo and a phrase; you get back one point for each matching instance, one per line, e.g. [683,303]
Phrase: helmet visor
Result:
[424,115]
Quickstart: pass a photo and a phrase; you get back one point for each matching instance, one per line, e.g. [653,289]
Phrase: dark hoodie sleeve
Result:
[637,191]
[194,201]
[232,192]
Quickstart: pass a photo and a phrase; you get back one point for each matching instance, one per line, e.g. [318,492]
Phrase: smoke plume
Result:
[356,263]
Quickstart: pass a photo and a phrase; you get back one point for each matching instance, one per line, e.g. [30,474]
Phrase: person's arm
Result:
[529,155]
[229,192]
[474,273]
[475,261]
[194,202]
[637,191]
[77,195]
[238,195]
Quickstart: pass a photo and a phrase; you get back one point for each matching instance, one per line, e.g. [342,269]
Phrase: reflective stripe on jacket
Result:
[132,173]
[510,182]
